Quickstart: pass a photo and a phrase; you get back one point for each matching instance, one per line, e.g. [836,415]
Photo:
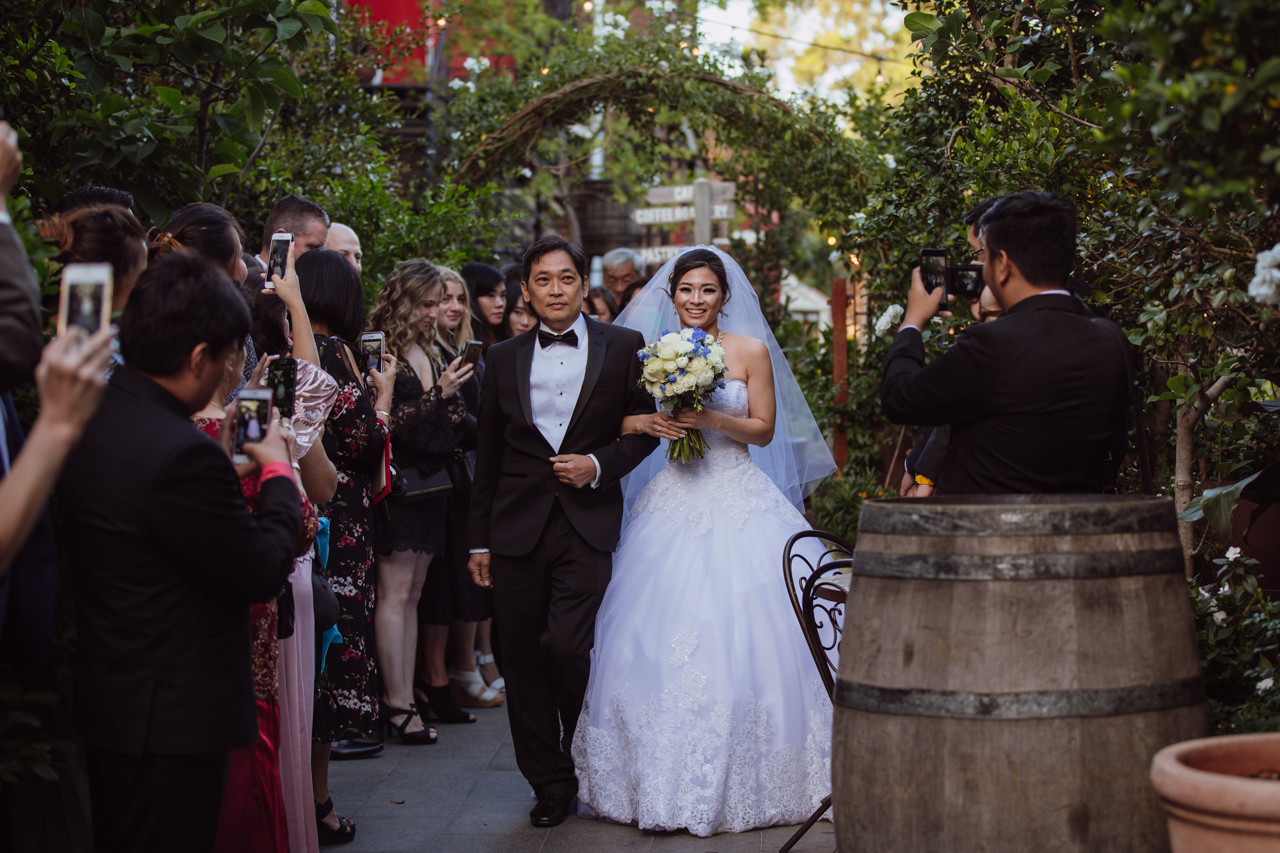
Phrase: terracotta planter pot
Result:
[1211,802]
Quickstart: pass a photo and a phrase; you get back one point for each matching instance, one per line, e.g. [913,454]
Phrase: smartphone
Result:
[253,416]
[282,378]
[374,347]
[85,300]
[278,257]
[933,269]
[471,353]
[965,281]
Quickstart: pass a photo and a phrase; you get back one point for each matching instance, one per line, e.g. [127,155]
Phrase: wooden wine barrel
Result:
[1009,666]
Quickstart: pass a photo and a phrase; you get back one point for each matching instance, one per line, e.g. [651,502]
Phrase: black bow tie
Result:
[546,339]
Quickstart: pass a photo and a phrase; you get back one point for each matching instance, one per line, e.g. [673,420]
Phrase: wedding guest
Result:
[426,415]
[20,338]
[623,268]
[355,438]
[314,394]
[253,812]
[69,381]
[488,301]
[295,214]
[604,306]
[166,560]
[518,317]
[107,234]
[343,240]
[466,605]
[93,197]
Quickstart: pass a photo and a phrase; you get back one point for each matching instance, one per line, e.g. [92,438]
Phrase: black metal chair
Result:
[820,618]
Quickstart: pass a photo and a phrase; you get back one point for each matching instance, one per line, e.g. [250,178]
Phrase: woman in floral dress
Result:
[356,440]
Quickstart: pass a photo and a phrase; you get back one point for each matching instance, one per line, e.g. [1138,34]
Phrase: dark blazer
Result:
[166,560]
[514,484]
[20,340]
[1036,400]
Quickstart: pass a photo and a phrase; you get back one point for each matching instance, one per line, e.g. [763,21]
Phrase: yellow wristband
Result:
[922,480]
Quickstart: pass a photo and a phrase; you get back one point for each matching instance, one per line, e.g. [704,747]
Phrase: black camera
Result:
[963,281]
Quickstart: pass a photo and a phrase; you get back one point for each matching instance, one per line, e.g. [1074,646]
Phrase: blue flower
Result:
[644,356]
[680,371]
[719,383]
[699,334]
[671,377]
[665,332]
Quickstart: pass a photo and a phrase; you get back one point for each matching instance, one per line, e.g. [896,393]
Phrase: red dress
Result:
[253,818]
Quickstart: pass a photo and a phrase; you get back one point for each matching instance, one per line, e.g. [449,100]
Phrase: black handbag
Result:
[324,603]
[418,485]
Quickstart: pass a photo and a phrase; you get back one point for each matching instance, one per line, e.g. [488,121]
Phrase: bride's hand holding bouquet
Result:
[681,370]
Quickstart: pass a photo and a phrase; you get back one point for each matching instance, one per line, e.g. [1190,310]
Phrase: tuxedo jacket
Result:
[1037,400]
[166,559]
[514,485]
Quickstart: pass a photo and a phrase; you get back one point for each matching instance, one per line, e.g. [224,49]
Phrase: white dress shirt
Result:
[555,381]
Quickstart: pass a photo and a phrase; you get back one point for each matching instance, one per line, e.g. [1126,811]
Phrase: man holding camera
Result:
[1036,402]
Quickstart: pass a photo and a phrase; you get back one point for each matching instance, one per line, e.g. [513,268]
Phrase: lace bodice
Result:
[726,474]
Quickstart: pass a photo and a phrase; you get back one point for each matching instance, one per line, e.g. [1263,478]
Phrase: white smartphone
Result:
[85,300]
[374,347]
[278,257]
[253,416]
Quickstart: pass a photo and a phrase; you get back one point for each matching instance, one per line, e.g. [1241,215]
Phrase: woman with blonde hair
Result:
[426,415]
[449,597]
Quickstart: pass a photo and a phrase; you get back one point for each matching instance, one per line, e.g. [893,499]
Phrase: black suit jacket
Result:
[166,560]
[20,340]
[1036,400]
[514,484]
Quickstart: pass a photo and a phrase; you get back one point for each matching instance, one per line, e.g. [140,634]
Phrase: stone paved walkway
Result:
[465,795]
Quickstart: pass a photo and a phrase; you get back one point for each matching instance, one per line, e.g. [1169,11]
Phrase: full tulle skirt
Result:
[704,710]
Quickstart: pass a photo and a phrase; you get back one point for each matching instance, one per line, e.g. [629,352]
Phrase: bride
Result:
[704,710]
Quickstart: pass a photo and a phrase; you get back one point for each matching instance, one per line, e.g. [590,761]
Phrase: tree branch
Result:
[266,132]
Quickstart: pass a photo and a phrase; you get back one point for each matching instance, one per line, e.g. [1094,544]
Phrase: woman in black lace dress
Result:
[426,417]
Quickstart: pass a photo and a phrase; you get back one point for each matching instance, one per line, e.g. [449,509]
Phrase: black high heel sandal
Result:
[344,834]
[440,702]
[424,736]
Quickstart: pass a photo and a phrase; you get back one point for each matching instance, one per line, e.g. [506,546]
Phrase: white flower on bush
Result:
[1219,618]
[457,83]
[1265,287]
[475,64]
[890,317]
[1265,684]
[1233,553]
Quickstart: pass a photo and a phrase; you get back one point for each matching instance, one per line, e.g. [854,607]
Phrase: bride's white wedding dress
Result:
[704,709]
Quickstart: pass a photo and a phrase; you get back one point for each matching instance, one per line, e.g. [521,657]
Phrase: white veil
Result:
[797,459]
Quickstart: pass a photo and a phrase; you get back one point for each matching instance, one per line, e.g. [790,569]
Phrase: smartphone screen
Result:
[374,346]
[85,300]
[282,378]
[278,256]
[471,353]
[253,415]
[966,281]
[933,268]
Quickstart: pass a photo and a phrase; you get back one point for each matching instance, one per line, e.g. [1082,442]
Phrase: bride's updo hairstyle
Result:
[695,259]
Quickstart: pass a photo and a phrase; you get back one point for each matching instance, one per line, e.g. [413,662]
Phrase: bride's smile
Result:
[698,299]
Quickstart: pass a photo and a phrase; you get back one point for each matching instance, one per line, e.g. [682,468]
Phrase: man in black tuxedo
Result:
[166,560]
[1037,401]
[546,509]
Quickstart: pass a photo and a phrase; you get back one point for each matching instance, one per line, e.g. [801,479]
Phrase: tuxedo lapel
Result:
[524,366]
[595,361]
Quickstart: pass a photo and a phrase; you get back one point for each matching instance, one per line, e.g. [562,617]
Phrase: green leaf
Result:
[288,28]
[172,98]
[313,7]
[921,22]
[255,107]
[223,169]
[1216,505]
[284,80]
[214,33]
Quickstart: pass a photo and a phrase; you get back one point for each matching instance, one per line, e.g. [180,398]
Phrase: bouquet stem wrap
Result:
[682,370]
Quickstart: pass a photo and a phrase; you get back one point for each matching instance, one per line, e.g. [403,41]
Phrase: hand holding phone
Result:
[455,376]
[252,411]
[471,353]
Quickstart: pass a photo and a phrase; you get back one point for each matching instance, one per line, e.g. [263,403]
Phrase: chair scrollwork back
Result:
[811,556]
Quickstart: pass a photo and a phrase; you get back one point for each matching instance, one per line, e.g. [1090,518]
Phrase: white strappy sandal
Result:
[501,683]
[470,690]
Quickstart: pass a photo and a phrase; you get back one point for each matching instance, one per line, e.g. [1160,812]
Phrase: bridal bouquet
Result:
[682,370]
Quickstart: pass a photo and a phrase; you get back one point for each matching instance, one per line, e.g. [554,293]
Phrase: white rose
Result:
[653,371]
[706,376]
[890,317]
[655,389]
[667,352]
[684,347]
[671,338]
[682,361]
[1265,286]
[670,366]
